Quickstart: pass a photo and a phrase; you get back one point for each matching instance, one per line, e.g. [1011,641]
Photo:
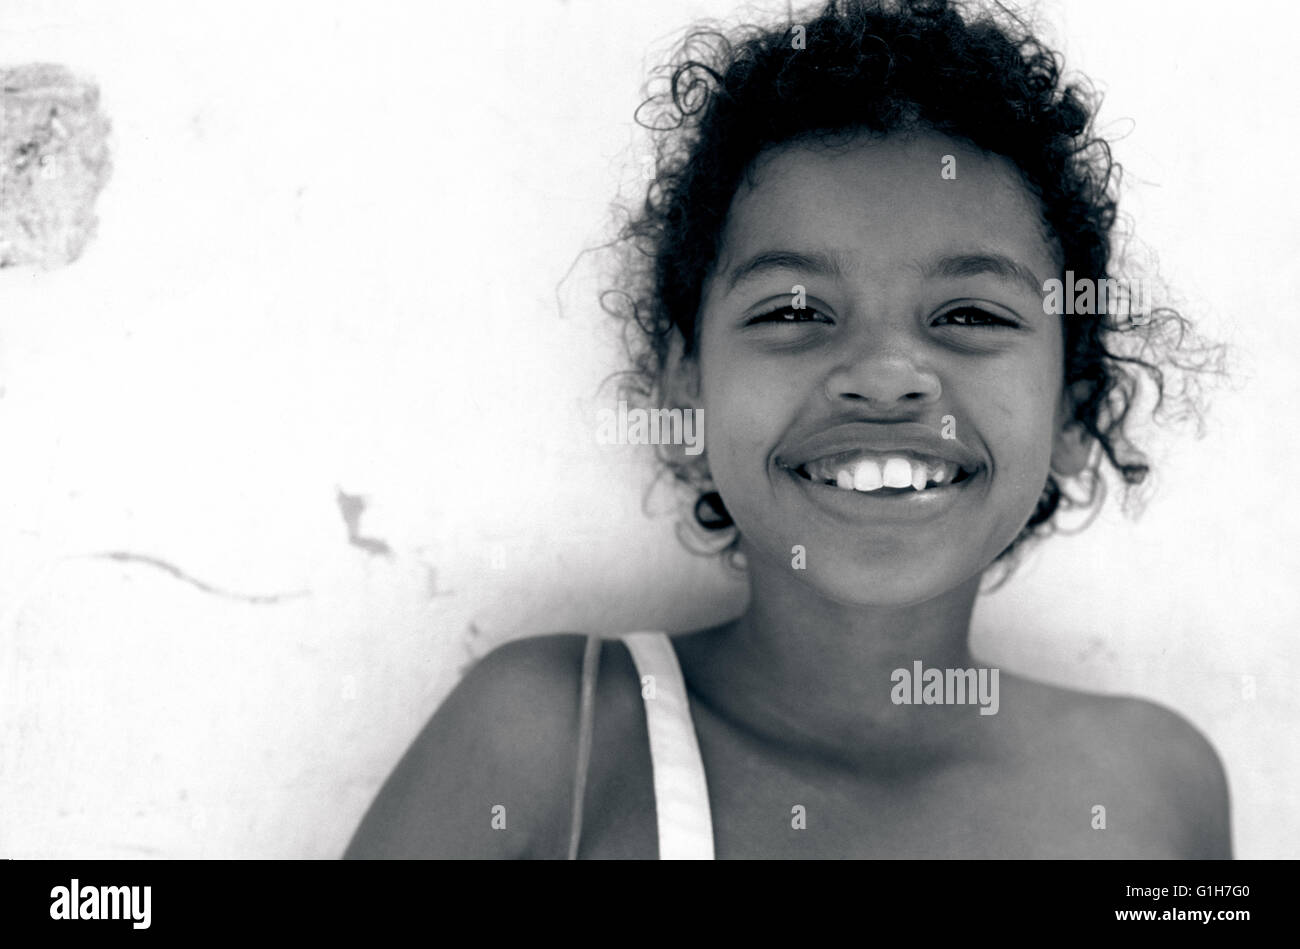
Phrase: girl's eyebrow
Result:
[832,263]
[976,264]
[818,263]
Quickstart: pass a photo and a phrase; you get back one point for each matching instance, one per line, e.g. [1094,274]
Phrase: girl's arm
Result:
[489,776]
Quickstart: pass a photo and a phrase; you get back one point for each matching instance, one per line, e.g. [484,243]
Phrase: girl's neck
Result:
[804,671]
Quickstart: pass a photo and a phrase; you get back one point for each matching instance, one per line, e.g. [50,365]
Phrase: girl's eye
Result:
[976,316]
[786,314]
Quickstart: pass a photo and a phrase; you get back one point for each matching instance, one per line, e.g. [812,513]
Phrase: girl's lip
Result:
[879,439]
[886,504]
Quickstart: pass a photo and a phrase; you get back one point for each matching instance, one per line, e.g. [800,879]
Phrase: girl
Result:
[843,265]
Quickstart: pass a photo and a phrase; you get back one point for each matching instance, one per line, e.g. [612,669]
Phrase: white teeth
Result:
[897,473]
[891,471]
[867,475]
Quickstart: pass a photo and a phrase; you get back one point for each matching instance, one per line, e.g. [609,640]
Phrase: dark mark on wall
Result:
[475,646]
[352,506]
[431,590]
[128,557]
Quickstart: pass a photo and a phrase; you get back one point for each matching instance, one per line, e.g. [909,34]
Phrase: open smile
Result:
[871,472]
[889,500]
[887,473]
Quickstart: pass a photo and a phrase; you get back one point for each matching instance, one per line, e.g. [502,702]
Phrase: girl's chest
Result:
[764,805]
[771,808]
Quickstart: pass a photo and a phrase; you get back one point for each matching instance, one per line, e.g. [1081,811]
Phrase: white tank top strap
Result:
[681,791]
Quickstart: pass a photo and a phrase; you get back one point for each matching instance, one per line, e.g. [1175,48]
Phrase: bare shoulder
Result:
[1184,767]
[488,775]
[1166,784]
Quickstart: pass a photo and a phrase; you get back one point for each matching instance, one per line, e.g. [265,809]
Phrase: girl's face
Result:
[922,337]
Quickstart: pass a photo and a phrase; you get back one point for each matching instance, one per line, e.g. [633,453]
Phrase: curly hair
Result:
[881,67]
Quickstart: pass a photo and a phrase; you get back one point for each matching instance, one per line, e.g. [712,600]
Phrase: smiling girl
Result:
[845,253]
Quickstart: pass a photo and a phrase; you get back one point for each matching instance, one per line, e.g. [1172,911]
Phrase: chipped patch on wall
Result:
[54,161]
[351,507]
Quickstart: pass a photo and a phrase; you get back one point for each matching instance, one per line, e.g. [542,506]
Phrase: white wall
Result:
[328,259]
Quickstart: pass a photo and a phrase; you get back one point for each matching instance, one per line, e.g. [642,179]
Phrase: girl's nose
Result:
[885,375]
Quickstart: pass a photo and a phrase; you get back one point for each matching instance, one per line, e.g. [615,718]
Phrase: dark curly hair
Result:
[881,67]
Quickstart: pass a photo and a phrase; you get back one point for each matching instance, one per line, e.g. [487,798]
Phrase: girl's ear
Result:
[1073,445]
[680,389]
[681,382]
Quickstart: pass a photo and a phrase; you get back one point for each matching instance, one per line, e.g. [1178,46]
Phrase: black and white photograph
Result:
[673,430]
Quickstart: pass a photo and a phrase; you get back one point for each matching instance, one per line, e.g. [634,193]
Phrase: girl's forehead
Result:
[886,201]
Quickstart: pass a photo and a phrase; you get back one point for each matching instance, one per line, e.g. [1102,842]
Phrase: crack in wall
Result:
[431,584]
[126,556]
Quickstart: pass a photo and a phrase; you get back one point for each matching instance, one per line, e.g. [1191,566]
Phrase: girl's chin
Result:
[880,580]
[886,589]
